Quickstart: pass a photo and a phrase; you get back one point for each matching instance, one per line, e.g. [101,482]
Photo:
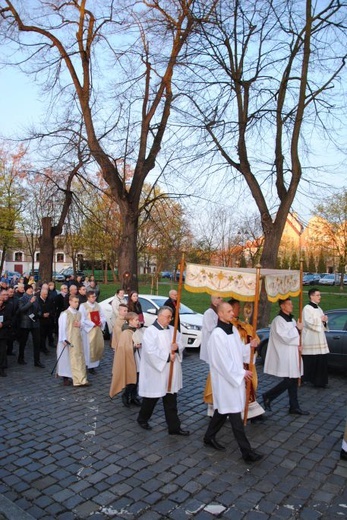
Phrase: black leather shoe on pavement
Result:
[136,401]
[214,444]
[126,401]
[266,402]
[343,455]
[144,425]
[252,456]
[39,364]
[184,433]
[298,411]
[22,362]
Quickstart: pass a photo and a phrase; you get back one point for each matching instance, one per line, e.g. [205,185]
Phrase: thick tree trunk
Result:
[272,238]
[127,259]
[46,242]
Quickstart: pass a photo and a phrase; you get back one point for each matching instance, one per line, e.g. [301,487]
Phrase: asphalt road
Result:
[69,453]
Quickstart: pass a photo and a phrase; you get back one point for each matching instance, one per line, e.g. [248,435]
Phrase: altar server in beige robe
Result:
[124,371]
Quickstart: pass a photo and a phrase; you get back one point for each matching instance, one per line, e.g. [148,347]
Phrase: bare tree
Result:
[261,80]
[124,115]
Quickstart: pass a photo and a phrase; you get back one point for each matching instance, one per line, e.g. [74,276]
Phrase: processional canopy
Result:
[240,283]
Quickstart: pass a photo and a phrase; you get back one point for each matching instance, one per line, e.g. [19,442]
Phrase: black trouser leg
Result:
[171,413]
[35,334]
[9,346]
[146,410]
[239,433]
[293,393]
[215,425]
[22,340]
[278,389]
[3,357]
[43,336]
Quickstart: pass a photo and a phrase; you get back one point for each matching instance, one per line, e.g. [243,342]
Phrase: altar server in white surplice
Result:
[158,352]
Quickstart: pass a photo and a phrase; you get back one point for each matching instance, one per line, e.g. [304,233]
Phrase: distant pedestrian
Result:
[29,323]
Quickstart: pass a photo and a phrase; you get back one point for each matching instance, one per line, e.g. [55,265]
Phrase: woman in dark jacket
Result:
[135,306]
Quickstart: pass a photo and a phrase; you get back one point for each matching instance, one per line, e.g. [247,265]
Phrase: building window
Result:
[18,256]
[37,257]
[60,257]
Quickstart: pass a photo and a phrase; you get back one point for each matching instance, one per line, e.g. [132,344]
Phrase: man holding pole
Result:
[226,354]
[159,352]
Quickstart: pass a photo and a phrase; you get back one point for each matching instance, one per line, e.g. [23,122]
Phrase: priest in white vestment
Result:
[71,362]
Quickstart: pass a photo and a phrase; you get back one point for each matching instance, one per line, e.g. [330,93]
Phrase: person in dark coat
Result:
[29,322]
[5,325]
[46,306]
[172,303]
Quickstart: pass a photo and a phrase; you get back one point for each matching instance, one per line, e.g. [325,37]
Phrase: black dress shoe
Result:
[91,370]
[343,455]
[184,433]
[39,364]
[136,401]
[126,401]
[258,419]
[22,362]
[266,402]
[214,444]
[298,411]
[2,373]
[252,456]
[144,425]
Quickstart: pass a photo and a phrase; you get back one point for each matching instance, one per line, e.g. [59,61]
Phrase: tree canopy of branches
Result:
[330,230]
[12,198]
[260,81]
[111,67]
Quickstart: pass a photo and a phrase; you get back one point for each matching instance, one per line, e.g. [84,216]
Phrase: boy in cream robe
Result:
[71,364]
[118,325]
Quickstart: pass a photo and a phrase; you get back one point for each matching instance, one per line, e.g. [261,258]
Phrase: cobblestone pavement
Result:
[70,453]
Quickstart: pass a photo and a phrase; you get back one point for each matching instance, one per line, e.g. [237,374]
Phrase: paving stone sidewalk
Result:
[69,453]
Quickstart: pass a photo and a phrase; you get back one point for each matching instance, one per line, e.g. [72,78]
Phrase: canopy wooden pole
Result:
[300,313]
[178,303]
[254,326]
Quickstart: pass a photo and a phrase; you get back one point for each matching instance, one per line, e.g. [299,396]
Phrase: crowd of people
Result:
[33,310]
[147,363]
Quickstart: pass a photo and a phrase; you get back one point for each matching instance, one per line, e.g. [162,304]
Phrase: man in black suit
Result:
[172,303]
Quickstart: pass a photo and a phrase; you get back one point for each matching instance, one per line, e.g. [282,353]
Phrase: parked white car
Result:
[191,321]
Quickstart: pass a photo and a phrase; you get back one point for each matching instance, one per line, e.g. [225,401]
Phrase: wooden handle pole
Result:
[254,326]
[178,303]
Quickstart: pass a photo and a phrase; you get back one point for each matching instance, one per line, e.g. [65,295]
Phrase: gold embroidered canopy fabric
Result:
[240,283]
